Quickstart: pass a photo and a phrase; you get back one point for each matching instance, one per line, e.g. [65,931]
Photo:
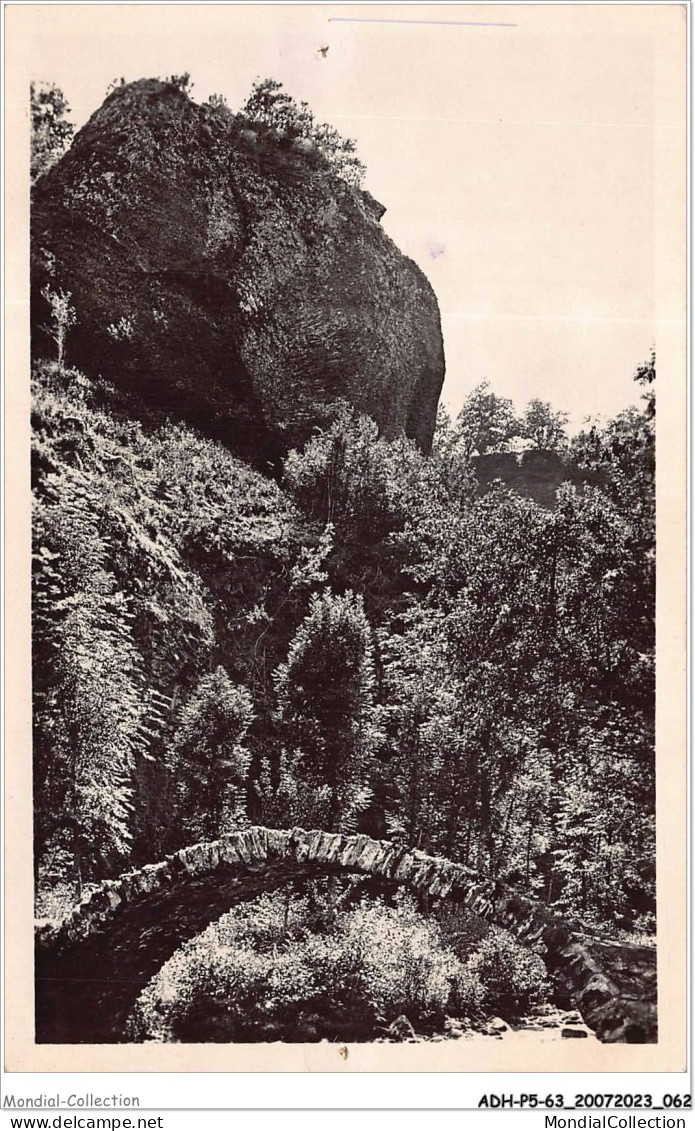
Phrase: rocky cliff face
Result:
[224,276]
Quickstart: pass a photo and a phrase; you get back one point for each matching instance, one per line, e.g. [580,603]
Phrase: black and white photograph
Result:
[350,331]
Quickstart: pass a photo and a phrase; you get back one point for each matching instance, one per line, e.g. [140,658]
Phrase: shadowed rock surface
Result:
[534,474]
[221,275]
[91,968]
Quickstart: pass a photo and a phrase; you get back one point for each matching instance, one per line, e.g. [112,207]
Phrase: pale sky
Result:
[523,153]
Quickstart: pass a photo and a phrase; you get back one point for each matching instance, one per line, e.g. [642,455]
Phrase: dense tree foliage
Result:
[51,130]
[544,426]
[208,764]
[486,421]
[326,702]
[271,106]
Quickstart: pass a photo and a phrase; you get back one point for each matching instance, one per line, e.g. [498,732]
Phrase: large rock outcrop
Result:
[226,276]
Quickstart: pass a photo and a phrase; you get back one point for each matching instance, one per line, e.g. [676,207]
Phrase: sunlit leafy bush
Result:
[262,974]
[271,106]
[512,977]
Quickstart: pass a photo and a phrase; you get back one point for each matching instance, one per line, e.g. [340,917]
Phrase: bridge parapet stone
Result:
[405,866]
[188,859]
[212,855]
[229,851]
[425,869]
[150,877]
[276,842]
[388,859]
[313,845]
[329,846]
[368,856]
[245,847]
[202,858]
[443,880]
[297,845]
[259,839]
[352,850]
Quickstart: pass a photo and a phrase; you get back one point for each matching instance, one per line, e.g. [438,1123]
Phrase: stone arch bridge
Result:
[91,968]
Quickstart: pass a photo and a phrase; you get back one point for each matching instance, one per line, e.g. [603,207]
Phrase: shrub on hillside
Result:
[262,974]
[271,106]
[391,961]
[513,977]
